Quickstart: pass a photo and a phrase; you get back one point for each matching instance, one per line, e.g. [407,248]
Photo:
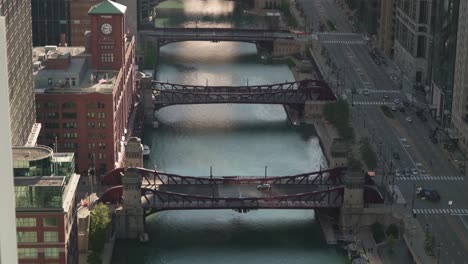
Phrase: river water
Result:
[234,140]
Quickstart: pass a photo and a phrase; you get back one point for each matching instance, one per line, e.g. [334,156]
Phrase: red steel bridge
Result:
[163,191]
[288,93]
[167,35]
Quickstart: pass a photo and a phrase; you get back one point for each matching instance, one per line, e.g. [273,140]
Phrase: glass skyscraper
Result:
[445,28]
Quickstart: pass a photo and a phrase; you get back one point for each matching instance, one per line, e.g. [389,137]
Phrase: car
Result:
[407,172]
[397,173]
[396,155]
[402,109]
[366,92]
[396,101]
[385,96]
[415,172]
[409,119]
[428,194]
[264,187]
[394,108]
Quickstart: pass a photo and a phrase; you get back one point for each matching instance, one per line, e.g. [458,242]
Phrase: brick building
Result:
[46,223]
[80,22]
[84,94]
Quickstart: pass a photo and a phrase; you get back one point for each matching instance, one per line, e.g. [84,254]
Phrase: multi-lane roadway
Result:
[367,85]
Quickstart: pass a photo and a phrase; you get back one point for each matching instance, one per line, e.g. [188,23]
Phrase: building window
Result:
[70,135]
[51,125]
[107,57]
[100,105]
[50,105]
[102,146]
[25,221]
[51,252]
[90,124]
[50,236]
[70,145]
[69,125]
[27,253]
[101,136]
[50,221]
[101,115]
[71,115]
[68,105]
[90,105]
[90,115]
[101,125]
[52,115]
[25,237]
[73,81]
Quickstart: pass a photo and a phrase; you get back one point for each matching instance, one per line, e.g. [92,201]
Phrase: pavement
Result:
[348,66]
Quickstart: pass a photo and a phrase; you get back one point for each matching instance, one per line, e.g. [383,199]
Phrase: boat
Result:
[146,150]
[155,124]
[144,238]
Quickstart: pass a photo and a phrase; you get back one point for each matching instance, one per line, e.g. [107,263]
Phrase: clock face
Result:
[106,28]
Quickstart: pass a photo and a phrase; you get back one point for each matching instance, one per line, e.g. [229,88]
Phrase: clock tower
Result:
[107,43]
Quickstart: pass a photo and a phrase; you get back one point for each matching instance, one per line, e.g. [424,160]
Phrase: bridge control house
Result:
[84,94]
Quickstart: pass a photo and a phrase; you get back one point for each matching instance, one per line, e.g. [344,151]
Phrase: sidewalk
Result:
[369,245]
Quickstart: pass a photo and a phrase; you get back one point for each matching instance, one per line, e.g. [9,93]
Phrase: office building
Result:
[84,94]
[50,22]
[46,222]
[459,113]
[8,252]
[386,30]
[80,22]
[21,93]
[443,58]
[413,38]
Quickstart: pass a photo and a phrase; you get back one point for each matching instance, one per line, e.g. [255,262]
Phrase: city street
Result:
[365,82]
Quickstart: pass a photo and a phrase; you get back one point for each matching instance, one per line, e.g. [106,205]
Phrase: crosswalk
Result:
[372,103]
[450,211]
[429,178]
[374,91]
[351,42]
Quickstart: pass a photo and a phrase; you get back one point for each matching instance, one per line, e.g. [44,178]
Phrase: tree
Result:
[338,114]
[391,241]
[367,154]
[392,230]
[100,221]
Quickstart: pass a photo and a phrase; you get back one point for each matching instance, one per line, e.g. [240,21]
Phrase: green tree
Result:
[391,241]
[368,155]
[100,221]
[392,230]
[338,114]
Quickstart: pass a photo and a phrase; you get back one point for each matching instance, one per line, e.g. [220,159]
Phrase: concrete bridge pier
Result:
[353,201]
[130,216]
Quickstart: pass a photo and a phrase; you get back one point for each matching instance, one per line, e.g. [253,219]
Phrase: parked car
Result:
[428,193]
[366,92]
[385,96]
[409,119]
[415,172]
[394,108]
[396,101]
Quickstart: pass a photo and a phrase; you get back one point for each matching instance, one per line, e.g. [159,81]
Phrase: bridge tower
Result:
[353,200]
[130,216]
[133,153]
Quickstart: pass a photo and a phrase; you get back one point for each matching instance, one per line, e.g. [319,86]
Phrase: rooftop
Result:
[31,153]
[107,7]
[76,78]
[42,181]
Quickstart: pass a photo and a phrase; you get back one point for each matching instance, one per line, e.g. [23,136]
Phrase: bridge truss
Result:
[287,93]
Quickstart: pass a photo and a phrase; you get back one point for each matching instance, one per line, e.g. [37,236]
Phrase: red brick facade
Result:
[66,244]
[92,124]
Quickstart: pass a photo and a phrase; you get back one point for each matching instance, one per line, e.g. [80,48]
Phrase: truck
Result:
[428,194]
